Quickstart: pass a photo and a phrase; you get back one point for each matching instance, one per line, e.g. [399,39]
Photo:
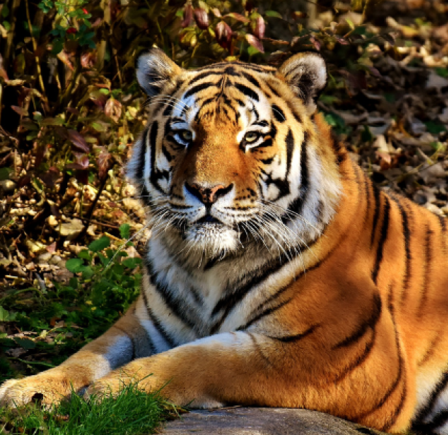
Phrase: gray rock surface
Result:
[262,421]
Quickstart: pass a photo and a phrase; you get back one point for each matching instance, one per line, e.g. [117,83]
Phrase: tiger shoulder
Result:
[277,274]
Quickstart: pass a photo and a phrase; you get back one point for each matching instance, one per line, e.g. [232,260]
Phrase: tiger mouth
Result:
[208,219]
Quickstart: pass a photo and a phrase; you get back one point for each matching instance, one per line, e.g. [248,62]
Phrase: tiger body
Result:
[276,273]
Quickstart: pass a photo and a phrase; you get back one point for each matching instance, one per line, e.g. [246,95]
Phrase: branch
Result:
[36,58]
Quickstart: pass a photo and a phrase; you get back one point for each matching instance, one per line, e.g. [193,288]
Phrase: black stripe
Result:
[235,293]
[383,238]
[198,88]
[294,113]
[202,76]
[169,101]
[273,90]
[407,242]
[251,79]
[262,123]
[442,221]
[398,410]
[231,71]
[259,349]
[295,338]
[247,91]
[161,330]
[427,270]
[267,161]
[265,69]
[204,101]
[296,206]
[153,144]
[377,201]
[144,194]
[196,295]
[264,313]
[141,160]
[166,153]
[229,301]
[212,67]
[401,372]
[431,349]
[391,389]
[359,359]
[438,420]
[369,323]
[156,322]
[176,305]
[426,410]
[264,144]
[278,113]
[289,150]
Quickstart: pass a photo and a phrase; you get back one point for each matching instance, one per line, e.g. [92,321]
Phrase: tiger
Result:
[277,274]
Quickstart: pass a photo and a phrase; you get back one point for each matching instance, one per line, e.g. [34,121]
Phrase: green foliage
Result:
[337,123]
[105,282]
[131,412]
[435,127]
[442,72]
[73,23]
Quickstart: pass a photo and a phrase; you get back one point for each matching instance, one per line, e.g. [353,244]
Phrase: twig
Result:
[10,38]
[92,207]
[36,58]
[92,221]
[364,11]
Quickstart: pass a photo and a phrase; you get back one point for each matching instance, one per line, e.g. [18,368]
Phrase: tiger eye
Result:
[186,135]
[250,137]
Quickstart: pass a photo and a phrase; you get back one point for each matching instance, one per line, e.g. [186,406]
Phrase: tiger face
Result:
[228,158]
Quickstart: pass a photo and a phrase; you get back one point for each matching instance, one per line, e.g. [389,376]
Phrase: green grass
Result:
[132,412]
[59,320]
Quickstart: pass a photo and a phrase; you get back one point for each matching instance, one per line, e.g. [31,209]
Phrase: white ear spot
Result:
[306,74]
[154,70]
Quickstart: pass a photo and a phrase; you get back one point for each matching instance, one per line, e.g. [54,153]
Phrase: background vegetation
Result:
[70,109]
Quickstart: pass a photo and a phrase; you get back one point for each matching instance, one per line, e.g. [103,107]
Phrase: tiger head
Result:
[234,154]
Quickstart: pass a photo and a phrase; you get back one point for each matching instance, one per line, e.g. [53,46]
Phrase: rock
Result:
[52,221]
[7,185]
[35,246]
[72,228]
[262,421]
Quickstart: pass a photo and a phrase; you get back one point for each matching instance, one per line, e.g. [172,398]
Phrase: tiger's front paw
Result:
[113,384]
[46,388]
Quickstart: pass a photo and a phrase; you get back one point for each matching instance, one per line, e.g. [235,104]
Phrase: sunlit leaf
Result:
[78,141]
[125,231]
[273,14]
[237,17]
[255,42]
[74,265]
[100,244]
[201,18]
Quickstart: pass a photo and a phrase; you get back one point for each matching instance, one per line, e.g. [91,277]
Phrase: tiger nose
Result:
[208,195]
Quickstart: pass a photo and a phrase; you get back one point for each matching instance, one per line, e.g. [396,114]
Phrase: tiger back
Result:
[277,274]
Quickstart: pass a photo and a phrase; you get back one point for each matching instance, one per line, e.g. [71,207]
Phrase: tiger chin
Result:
[277,274]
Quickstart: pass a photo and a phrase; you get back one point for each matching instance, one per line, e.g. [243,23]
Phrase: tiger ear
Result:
[306,74]
[154,70]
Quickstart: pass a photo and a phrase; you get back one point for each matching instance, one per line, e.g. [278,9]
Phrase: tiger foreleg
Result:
[227,368]
[111,350]
[253,369]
